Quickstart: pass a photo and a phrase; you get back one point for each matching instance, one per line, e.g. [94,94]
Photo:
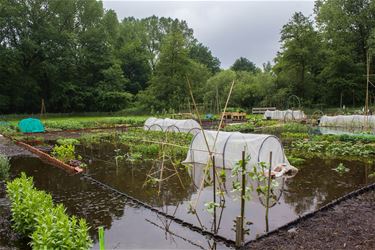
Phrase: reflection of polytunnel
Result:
[229,146]
[348,121]
[284,115]
[172,125]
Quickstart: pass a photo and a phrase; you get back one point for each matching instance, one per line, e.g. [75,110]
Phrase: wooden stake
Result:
[238,231]
[42,108]
[268,191]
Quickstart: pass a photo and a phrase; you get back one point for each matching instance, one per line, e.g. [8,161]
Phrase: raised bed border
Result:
[49,159]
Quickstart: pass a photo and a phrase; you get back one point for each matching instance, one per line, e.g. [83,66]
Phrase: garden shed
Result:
[348,121]
[284,115]
[229,146]
[173,125]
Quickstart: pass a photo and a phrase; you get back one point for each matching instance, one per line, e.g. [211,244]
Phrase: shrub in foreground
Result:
[34,214]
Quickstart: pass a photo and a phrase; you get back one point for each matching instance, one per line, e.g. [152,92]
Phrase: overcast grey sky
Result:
[230,29]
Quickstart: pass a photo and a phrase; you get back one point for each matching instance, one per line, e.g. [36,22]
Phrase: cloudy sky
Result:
[231,29]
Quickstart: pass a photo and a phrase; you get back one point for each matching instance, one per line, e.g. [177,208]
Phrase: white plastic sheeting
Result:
[285,114]
[229,146]
[348,121]
[173,125]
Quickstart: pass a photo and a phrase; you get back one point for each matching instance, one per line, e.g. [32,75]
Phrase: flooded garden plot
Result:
[147,166]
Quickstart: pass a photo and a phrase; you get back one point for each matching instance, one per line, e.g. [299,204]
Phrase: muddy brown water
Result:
[127,225]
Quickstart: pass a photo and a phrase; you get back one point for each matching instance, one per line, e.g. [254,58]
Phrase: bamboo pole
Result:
[205,138]
[243,189]
[214,190]
[238,231]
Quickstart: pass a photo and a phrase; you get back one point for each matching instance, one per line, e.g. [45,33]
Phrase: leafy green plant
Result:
[4,167]
[56,230]
[67,141]
[294,136]
[210,206]
[49,227]
[296,161]
[64,152]
[295,127]
[27,204]
[243,128]
[341,169]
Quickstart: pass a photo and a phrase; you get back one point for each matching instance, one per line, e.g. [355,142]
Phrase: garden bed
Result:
[350,224]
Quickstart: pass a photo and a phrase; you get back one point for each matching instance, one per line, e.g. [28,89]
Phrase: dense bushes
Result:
[34,214]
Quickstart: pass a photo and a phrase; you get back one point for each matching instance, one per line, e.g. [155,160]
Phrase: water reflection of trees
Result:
[317,184]
[130,178]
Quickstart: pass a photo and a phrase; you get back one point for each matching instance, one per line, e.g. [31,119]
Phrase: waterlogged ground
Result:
[127,225]
[315,185]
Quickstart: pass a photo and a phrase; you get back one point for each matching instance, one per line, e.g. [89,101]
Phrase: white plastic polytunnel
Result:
[173,125]
[285,114]
[229,146]
[348,121]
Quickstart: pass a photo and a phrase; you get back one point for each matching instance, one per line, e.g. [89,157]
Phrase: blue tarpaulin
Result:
[31,125]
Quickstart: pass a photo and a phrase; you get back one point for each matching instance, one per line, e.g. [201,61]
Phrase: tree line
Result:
[77,56]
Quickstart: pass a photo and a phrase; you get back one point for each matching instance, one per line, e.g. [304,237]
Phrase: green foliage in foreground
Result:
[35,215]
[4,167]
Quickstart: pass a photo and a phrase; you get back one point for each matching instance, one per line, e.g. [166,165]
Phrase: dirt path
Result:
[349,225]
[8,148]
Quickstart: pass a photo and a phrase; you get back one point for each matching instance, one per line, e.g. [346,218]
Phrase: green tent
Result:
[31,125]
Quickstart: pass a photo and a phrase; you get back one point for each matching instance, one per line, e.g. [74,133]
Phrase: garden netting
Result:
[348,121]
[172,125]
[229,146]
[287,115]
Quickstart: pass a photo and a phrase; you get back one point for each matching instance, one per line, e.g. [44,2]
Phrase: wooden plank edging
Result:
[49,159]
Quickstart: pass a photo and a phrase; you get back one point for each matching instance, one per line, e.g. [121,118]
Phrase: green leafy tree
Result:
[244,64]
[297,64]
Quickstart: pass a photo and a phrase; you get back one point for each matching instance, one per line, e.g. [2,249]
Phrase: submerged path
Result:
[348,225]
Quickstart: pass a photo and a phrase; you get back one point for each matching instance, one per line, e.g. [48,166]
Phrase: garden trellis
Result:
[348,121]
[172,125]
[286,115]
[228,148]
